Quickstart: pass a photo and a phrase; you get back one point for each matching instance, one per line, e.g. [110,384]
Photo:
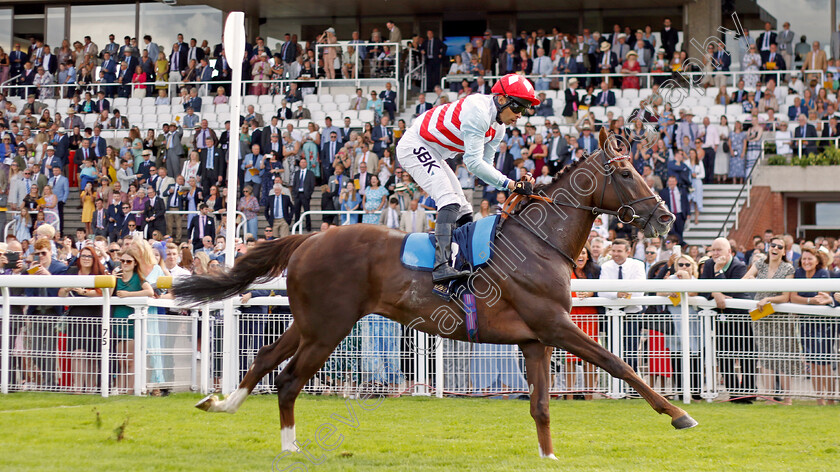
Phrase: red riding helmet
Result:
[516,87]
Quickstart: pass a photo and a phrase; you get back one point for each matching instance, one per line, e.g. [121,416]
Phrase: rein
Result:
[626,208]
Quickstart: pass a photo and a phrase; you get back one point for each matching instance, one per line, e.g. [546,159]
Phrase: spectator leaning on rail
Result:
[732,327]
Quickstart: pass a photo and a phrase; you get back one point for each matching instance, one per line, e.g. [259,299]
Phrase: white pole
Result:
[205,349]
[234,45]
[686,351]
[6,342]
[439,378]
[105,357]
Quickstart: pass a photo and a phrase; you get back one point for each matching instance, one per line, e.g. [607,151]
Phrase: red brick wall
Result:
[766,210]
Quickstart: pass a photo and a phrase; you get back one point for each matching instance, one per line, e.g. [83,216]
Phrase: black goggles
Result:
[518,105]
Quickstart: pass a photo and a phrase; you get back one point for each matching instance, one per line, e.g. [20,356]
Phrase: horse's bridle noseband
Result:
[623,209]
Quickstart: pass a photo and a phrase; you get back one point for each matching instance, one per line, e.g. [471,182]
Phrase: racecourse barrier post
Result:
[205,349]
[139,320]
[194,347]
[616,317]
[5,345]
[708,317]
[439,386]
[105,357]
[421,358]
[686,348]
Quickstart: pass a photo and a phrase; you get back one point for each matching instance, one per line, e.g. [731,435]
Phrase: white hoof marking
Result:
[287,439]
[546,456]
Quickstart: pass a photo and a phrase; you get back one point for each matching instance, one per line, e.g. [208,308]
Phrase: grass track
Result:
[59,432]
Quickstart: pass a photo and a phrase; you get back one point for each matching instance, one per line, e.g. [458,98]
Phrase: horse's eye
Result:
[625,174]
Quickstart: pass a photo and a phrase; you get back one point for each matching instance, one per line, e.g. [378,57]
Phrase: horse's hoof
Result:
[683,422]
[207,402]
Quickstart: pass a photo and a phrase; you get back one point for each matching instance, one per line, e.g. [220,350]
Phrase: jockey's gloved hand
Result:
[524,187]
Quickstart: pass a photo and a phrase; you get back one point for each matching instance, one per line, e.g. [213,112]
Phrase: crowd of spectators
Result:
[129,192]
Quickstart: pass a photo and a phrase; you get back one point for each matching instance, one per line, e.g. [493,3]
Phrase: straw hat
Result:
[605,47]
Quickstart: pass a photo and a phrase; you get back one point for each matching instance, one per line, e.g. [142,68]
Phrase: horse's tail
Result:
[262,263]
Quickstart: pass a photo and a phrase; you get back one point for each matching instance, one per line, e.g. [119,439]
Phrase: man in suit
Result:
[223,71]
[676,200]
[329,148]
[434,51]
[194,52]
[382,137]
[814,60]
[118,121]
[542,67]
[174,149]
[389,100]
[739,95]
[178,63]
[111,47]
[253,116]
[805,130]
[154,214]
[151,47]
[117,214]
[62,146]
[363,177]
[173,195]
[733,333]
[49,61]
[98,144]
[303,185]
[773,61]
[102,104]
[798,108]
[201,226]
[212,166]
[72,120]
[414,219]
[606,97]
[559,151]
[109,68]
[162,182]
[194,101]
[61,189]
[831,130]
[131,62]
[16,60]
[100,219]
[669,38]
[721,63]
[606,63]
[422,105]
[278,211]
[508,60]
[546,106]
[765,39]
[272,129]
[358,102]
[36,107]
[785,43]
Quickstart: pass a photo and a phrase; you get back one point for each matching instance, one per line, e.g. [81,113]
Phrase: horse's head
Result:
[625,193]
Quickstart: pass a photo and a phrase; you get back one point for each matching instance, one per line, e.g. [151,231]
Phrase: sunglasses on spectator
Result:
[42,253]
[132,226]
[683,264]
[113,250]
[777,246]
[650,252]
[85,256]
[127,261]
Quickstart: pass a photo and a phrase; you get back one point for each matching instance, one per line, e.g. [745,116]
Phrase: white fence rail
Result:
[688,349]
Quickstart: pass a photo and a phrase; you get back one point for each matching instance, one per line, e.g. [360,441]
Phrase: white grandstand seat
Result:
[734,109]
[318,116]
[315,107]
[700,111]
[624,102]
[330,106]
[134,110]
[600,113]
[522,121]
[616,111]
[342,98]
[311,98]
[135,102]
[356,124]
[89,119]
[119,102]
[630,93]
[689,102]
[263,99]
[789,99]
[208,116]
[431,97]
[303,123]
[325,98]
[148,101]
[62,104]
[50,103]
[352,114]
[135,118]
[177,101]
[267,109]
[222,108]
[645,92]
[452,96]
[149,110]
[366,116]
[249,100]
[717,110]
[175,109]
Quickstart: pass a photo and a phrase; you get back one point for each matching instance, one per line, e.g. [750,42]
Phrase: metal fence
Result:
[682,350]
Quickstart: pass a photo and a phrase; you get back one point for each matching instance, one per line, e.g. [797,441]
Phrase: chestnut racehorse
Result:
[336,277]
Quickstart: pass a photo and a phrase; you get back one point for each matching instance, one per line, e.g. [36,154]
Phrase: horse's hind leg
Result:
[537,358]
[311,356]
[268,358]
[578,343]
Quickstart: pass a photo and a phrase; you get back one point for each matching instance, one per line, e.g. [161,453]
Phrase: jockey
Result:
[474,126]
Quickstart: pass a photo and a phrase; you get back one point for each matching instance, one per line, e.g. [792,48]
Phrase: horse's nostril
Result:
[666,218]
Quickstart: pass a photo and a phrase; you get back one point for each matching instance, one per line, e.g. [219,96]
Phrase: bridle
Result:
[626,213]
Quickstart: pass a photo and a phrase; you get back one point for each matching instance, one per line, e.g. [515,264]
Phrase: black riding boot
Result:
[443,272]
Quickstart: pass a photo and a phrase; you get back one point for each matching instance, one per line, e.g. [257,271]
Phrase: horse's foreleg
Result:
[537,357]
[305,363]
[578,343]
[268,358]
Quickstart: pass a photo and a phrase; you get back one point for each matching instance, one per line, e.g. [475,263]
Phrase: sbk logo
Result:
[429,162]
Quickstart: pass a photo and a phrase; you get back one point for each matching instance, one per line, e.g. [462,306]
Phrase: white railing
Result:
[649,77]
[696,331]
[10,214]
[341,48]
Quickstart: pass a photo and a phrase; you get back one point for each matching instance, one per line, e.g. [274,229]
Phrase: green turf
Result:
[60,432]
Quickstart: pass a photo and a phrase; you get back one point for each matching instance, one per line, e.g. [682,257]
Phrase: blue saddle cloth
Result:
[475,242]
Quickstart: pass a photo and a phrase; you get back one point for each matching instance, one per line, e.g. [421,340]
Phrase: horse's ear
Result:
[602,137]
